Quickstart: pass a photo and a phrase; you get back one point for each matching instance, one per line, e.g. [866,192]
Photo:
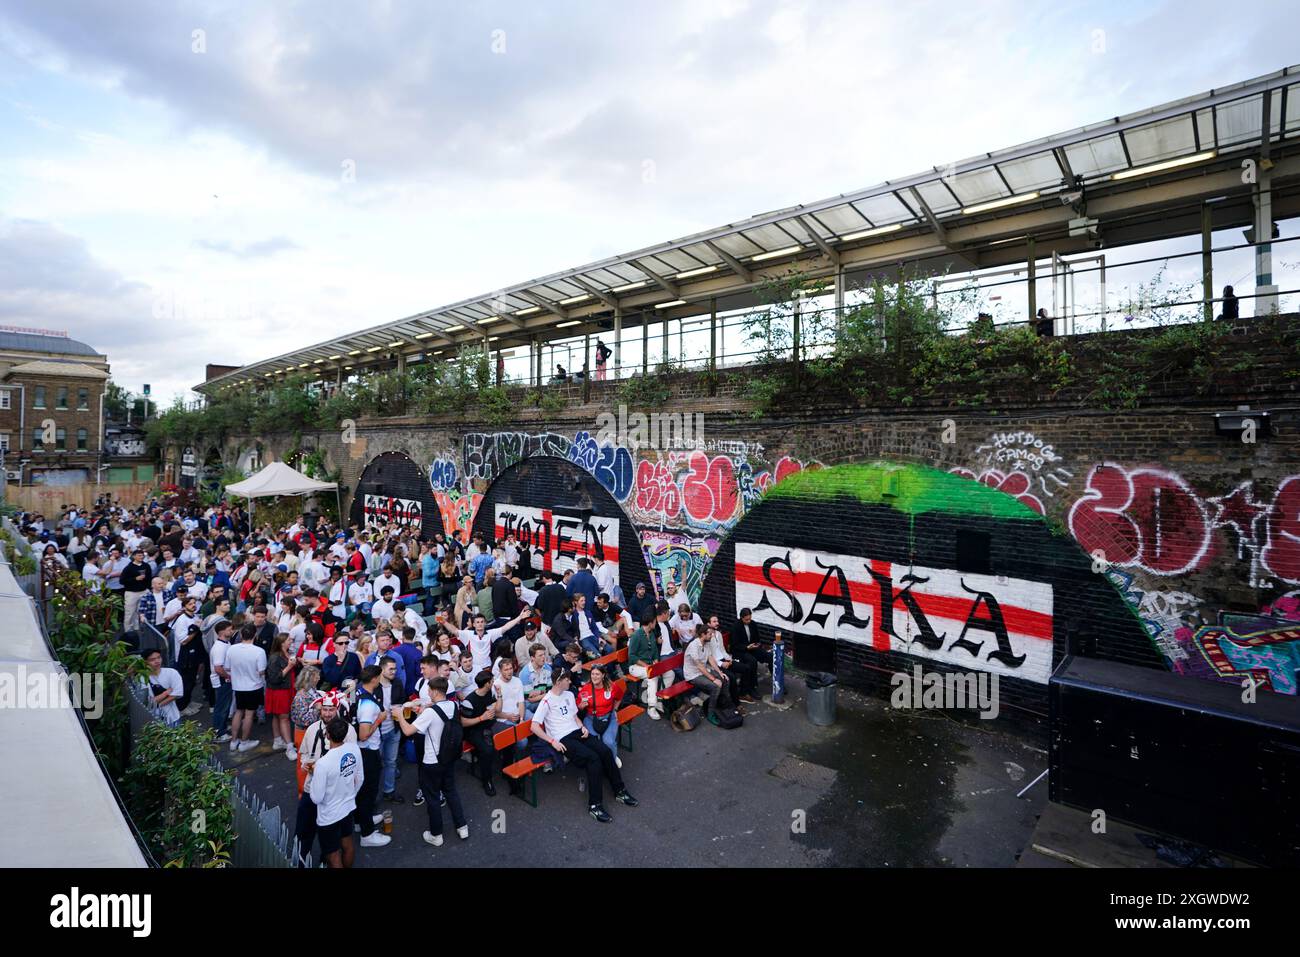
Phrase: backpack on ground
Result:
[686,718]
[729,718]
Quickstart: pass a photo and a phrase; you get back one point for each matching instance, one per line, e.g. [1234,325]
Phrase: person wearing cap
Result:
[556,724]
[466,597]
[640,601]
[530,637]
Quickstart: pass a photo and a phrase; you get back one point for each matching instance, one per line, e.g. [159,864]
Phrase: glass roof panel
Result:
[737,245]
[977,186]
[1293,107]
[678,261]
[1032,172]
[843,219]
[1205,125]
[772,238]
[1105,154]
[602,278]
[1160,141]
[1239,121]
[937,197]
[884,209]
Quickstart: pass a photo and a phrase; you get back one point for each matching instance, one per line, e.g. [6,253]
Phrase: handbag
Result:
[686,718]
[600,724]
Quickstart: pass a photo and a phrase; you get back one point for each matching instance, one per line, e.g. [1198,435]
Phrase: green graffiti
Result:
[911,489]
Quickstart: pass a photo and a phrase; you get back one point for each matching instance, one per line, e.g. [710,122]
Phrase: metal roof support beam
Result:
[1265,291]
[739,268]
[607,298]
[820,243]
[940,233]
[670,287]
[437,331]
[618,341]
[539,301]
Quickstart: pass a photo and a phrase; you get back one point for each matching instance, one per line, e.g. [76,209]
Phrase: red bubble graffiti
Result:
[1016,484]
[1144,517]
[656,490]
[1281,554]
[709,489]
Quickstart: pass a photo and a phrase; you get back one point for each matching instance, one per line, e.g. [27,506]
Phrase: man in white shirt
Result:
[336,780]
[194,587]
[556,722]
[223,695]
[387,580]
[247,666]
[188,615]
[684,623]
[382,608]
[702,670]
[370,717]
[437,771]
[360,593]
[413,620]
[312,571]
[91,573]
[509,693]
[607,580]
[479,639]
[165,688]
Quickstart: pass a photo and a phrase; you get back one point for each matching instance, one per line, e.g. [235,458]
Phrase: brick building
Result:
[47,377]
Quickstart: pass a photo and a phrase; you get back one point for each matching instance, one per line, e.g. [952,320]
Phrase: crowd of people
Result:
[367,648]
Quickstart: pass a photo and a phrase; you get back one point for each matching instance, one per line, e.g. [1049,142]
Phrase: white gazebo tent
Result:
[280,479]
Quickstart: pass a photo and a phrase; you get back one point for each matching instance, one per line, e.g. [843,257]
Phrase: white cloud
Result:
[475,170]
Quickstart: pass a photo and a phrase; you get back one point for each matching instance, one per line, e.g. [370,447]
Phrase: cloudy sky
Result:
[299,170]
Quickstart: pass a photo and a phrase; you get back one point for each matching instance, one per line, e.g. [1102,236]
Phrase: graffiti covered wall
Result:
[1196,533]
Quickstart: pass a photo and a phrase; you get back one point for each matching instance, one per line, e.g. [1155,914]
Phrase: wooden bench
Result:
[626,715]
[673,663]
[525,767]
[614,657]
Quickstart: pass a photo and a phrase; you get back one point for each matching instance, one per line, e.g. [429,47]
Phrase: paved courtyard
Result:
[880,788]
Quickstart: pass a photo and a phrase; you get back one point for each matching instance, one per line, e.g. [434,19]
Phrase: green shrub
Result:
[178,799]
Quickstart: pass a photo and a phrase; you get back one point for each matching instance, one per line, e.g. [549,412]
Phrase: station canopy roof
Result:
[1172,140]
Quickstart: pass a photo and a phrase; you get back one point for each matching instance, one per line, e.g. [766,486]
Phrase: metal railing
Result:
[262,839]
[686,344]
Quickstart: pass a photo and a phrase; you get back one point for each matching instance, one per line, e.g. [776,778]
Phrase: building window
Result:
[83,400]
[61,440]
[81,440]
[4,442]
[63,397]
[6,399]
[38,397]
[38,439]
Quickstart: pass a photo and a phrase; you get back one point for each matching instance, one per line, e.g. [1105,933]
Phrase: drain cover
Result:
[790,768]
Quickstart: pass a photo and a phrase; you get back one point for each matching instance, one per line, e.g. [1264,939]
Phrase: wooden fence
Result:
[50,499]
